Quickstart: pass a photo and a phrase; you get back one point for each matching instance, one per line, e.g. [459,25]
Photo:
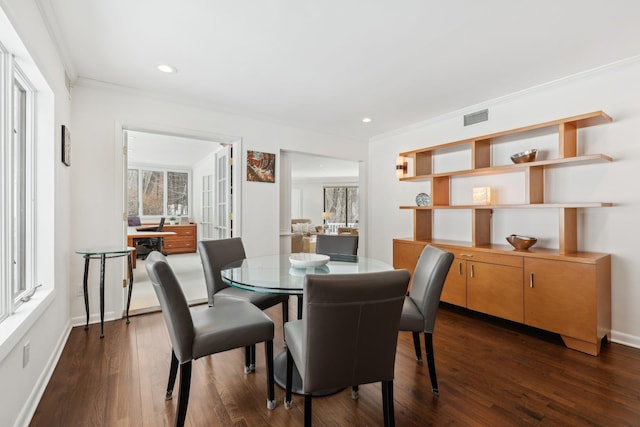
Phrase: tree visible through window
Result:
[157,193]
[177,193]
[152,193]
[133,198]
[343,203]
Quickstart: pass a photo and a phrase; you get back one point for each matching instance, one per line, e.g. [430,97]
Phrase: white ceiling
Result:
[324,65]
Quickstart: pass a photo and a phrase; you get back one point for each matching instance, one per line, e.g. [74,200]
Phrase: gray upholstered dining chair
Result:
[347,335]
[421,305]
[215,254]
[202,331]
[329,244]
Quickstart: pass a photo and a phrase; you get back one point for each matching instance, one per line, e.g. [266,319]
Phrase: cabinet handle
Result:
[531,280]
[471,270]
[467,255]
[460,269]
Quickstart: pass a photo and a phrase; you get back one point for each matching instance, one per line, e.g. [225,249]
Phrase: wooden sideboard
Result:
[184,241]
[569,294]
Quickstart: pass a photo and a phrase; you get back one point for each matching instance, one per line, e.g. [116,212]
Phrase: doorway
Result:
[177,177]
[309,178]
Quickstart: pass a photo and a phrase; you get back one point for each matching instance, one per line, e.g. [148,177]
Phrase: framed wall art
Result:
[261,167]
[66,146]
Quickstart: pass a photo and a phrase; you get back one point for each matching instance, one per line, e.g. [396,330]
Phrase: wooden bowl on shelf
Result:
[525,156]
[521,243]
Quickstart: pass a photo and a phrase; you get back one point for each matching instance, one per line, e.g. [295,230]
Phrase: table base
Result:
[280,374]
[103,257]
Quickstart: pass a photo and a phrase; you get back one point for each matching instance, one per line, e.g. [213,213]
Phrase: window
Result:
[16,186]
[343,204]
[177,193]
[156,192]
[133,198]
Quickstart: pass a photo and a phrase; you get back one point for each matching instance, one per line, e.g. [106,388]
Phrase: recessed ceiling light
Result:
[167,68]
[366,120]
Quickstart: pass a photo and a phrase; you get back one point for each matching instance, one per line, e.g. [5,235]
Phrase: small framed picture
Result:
[261,167]
[66,146]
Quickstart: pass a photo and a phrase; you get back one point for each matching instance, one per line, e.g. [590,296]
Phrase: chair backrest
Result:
[160,225]
[133,221]
[173,303]
[215,254]
[428,280]
[331,244]
[351,327]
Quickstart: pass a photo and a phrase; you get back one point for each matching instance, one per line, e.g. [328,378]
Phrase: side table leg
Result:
[130,258]
[102,262]
[85,290]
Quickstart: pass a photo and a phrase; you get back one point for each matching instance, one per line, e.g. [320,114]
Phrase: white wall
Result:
[98,114]
[616,91]
[46,328]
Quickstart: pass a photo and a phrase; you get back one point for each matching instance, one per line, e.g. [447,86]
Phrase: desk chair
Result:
[421,305]
[151,244]
[201,331]
[216,254]
[336,245]
[133,221]
[347,335]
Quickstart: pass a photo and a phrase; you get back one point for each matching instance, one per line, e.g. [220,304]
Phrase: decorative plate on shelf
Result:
[423,199]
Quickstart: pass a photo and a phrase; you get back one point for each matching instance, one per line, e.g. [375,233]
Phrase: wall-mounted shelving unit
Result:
[518,285]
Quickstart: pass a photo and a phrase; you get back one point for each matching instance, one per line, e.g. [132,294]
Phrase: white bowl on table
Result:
[305,260]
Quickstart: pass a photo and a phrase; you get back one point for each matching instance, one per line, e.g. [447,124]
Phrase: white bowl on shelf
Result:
[305,260]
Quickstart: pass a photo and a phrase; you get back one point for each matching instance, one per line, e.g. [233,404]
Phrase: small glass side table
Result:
[102,254]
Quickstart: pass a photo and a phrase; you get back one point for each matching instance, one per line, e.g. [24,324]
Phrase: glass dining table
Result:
[274,274]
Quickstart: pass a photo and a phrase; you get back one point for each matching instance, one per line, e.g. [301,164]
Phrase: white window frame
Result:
[165,171]
[17,190]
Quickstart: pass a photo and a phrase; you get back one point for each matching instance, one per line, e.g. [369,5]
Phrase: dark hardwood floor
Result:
[490,374]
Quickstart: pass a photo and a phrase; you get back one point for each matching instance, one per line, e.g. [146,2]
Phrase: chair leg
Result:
[285,317]
[307,410]
[173,371]
[289,381]
[253,358]
[247,359]
[354,392]
[428,346]
[183,398]
[299,298]
[285,312]
[416,345]
[271,393]
[387,404]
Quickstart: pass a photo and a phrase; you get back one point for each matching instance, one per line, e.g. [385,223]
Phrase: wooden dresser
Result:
[184,241]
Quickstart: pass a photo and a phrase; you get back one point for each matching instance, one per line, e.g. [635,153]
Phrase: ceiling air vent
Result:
[477,117]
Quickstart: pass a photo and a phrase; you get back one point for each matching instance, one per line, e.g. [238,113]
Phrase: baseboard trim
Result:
[625,339]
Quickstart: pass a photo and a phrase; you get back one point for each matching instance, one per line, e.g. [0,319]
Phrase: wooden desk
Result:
[133,234]
[183,242]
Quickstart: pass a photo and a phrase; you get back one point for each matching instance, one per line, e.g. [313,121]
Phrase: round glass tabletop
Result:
[275,274]
[106,250]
